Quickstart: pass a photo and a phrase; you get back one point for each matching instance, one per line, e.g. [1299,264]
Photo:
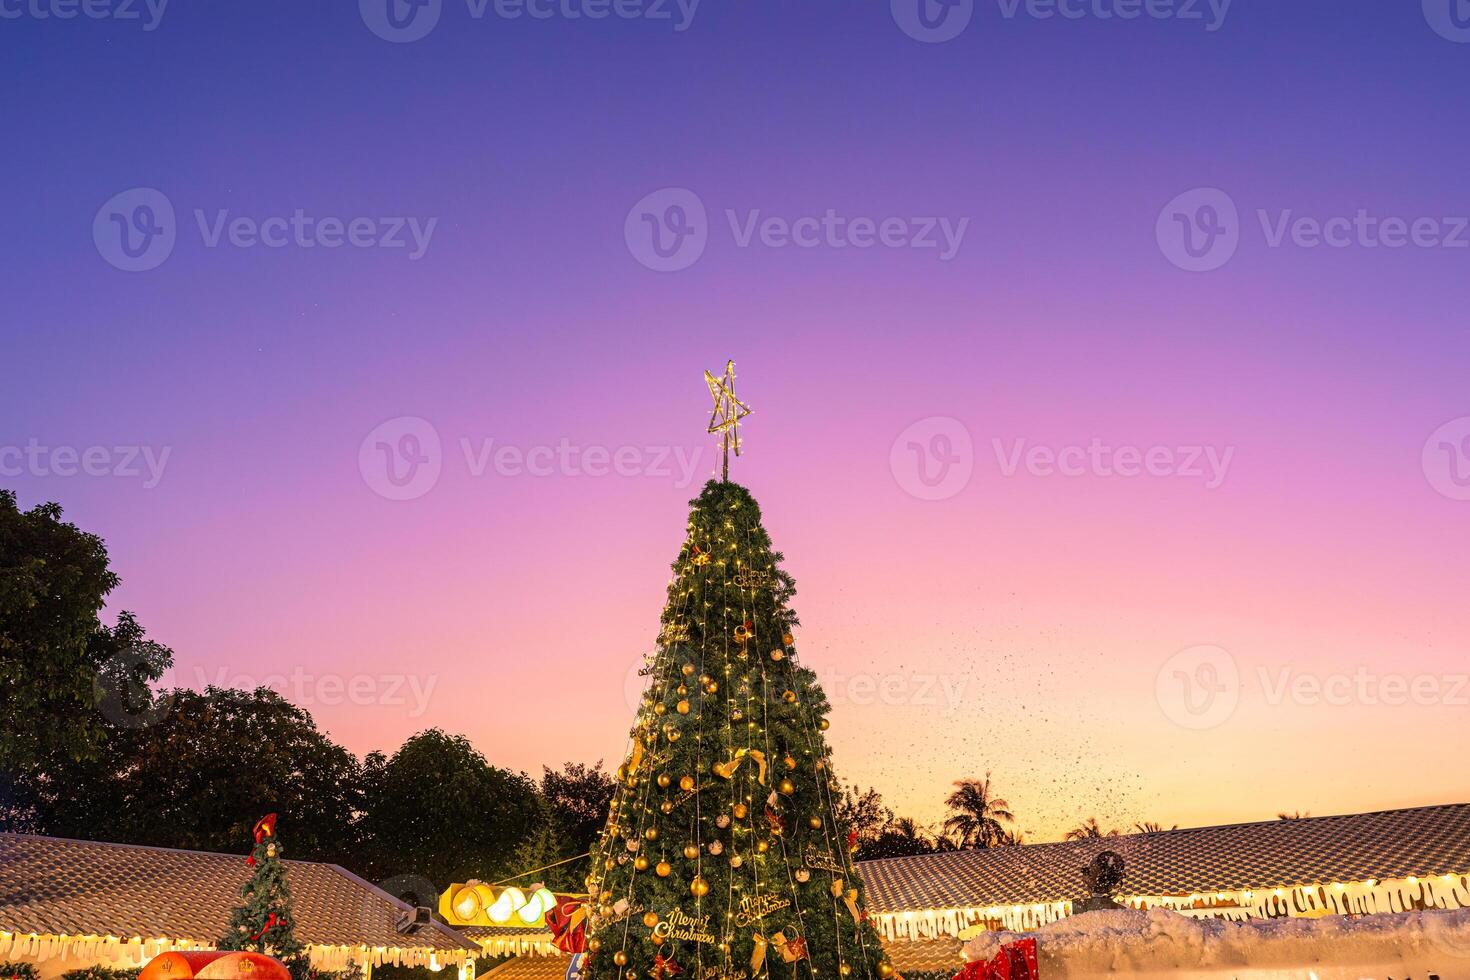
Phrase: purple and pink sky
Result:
[1029,623]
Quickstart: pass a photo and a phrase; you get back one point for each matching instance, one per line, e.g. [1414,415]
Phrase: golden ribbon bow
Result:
[758,956]
[726,770]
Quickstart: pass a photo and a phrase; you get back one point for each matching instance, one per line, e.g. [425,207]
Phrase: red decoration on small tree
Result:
[263,922]
[1014,961]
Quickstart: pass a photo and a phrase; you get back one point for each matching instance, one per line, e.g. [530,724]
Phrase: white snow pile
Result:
[1164,943]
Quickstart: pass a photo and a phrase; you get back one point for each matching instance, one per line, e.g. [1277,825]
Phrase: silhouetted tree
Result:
[977,813]
[1089,830]
[57,659]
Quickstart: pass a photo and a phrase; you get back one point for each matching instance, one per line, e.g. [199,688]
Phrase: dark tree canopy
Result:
[437,809]
[201,774]
[55,653]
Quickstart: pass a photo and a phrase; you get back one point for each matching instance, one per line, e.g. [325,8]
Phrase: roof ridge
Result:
[151,847]
[1278,822]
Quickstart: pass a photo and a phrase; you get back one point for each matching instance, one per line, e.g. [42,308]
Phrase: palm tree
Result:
[977,813]
[1089,831]
[1294,815]
[907,828]
[1013,838]
[1149,827]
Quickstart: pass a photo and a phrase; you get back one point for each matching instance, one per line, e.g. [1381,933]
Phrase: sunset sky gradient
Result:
[1038,610]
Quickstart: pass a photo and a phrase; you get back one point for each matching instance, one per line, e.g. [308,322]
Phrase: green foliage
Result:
[437,809]
[976,814]
[57,659]
[200,776]
[574,802]
[763,841]
[264,921]
[99,973]
[18,971]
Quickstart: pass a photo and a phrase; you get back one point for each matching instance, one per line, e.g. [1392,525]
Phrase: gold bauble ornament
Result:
[620,958]
[663,779]
[651,833]
[681,690]
[740,811]
[609,864]
[656,939]
[682,707]
[736,861]
[788,787]
[650,919]
[803,875]
[885,969]
[789,697]
[632,974]
[686,783]
[662,869]
[666,807]
[674,735]
[844,969]
[824,724]
[711,688]
[790,762]
[778,655]
[815,823]
[787,639]
[641,863]
[691,851]
[698,887]
[687,670]
[594,944]
[659,709]
[762,847]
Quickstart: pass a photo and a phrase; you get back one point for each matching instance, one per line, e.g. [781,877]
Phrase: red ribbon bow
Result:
[664,967]
[271,922]
[567,921]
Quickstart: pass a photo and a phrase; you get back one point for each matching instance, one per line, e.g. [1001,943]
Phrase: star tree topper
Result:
[729,410]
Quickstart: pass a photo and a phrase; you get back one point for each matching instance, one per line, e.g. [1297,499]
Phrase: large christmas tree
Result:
[722,858]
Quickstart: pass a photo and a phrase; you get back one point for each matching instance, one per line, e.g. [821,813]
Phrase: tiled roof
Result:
[940,955]
[529,968]
[1423,841]
[67,887]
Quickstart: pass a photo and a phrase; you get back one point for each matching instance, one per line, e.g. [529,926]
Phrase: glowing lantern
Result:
[506,905]
[541,902]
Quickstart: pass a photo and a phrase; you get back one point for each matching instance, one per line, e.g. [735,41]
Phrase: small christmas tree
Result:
[722,858]
[263,922]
